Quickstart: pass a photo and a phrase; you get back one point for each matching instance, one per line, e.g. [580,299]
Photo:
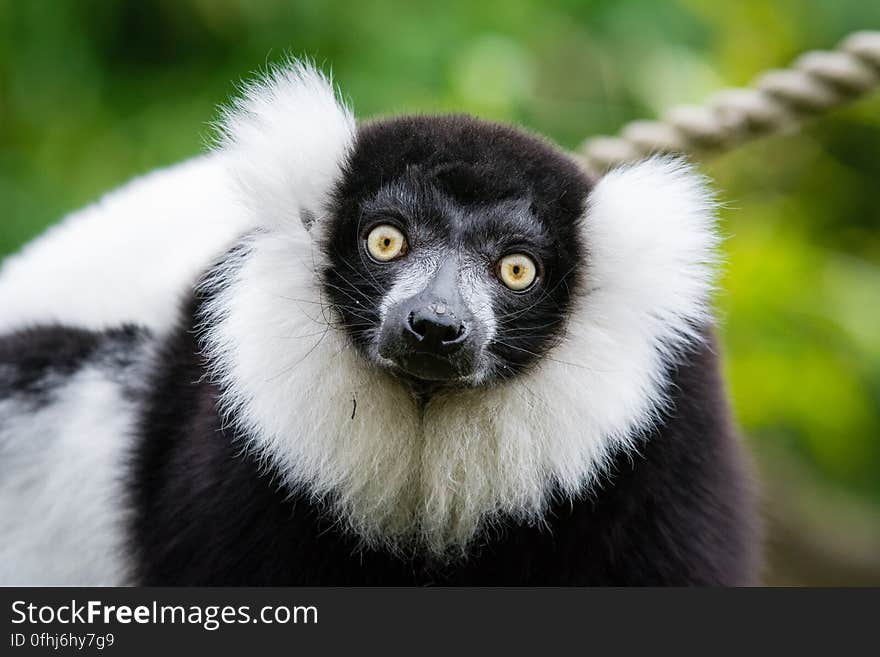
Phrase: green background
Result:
[93,93]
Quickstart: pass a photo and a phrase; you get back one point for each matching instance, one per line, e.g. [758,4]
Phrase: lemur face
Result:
[454,249]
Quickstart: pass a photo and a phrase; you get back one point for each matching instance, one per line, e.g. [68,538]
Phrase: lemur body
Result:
[440,356]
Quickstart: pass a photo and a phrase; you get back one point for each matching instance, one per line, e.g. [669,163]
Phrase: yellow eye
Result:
[517,271]
[386,243]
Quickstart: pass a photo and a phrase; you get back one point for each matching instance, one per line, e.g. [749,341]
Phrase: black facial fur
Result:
[462,187]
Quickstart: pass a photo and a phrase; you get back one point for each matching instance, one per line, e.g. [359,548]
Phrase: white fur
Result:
[62,498]
[131,256]
[478,293]
[409,282]
[288,136]
[401,475]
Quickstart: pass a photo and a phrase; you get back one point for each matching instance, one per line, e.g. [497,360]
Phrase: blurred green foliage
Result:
[93,93]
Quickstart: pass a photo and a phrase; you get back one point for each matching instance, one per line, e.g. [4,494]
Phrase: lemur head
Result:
[440,320]
[452,248]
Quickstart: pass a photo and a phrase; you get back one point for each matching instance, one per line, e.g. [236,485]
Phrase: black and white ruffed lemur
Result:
[437,353]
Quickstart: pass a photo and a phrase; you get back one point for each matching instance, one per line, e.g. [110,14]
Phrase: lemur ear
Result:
[286,139]
[653,246]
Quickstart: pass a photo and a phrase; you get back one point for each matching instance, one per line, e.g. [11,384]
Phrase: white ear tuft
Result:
[287,137]
[652,241]
[651,244]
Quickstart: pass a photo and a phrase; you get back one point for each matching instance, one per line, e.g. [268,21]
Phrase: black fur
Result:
[457,184]
[206,513]
[34,361]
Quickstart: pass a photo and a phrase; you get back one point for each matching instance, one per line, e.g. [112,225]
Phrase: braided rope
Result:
[777,101]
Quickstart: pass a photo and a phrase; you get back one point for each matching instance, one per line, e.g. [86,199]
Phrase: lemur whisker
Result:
[293,366]
[346,292]
[503,319]
[546,356]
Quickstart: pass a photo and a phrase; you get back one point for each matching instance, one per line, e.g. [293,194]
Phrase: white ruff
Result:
[406,476]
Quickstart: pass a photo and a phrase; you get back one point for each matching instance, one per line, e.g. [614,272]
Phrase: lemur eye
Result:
[517,271]
[386,243]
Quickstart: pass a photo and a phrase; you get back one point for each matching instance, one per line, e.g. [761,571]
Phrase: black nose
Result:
[435,330]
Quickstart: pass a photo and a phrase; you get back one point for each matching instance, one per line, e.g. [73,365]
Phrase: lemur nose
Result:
[435,329]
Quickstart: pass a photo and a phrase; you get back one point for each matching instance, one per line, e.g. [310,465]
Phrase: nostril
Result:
[453,333]
[417,325]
